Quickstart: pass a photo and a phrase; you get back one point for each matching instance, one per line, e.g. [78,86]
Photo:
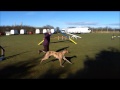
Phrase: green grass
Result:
[23,61]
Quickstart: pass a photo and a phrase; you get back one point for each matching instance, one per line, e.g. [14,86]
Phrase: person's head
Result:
[48,31]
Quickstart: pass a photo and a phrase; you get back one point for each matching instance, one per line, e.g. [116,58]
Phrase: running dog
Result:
[59,55]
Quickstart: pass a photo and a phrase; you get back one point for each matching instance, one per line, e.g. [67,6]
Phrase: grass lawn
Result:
[94,56]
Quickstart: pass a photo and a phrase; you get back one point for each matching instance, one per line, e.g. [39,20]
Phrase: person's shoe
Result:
[39,51]
[44,51]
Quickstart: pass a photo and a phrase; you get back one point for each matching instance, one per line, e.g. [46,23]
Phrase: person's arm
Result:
[47,35]
[50,33]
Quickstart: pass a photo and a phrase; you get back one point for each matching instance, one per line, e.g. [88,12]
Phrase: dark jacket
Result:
[46,39]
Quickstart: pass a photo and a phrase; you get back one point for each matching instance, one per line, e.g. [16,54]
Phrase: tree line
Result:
[3,29]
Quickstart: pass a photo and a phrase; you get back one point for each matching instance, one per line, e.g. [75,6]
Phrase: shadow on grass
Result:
[54,73]
[62,49]
[15,55]
[106,65]
[59,41]
[19,70]
[68,58]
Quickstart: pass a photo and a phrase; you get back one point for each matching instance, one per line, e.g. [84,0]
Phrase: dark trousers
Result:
[46,48]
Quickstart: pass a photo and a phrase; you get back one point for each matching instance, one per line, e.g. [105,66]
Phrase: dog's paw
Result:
[40,62]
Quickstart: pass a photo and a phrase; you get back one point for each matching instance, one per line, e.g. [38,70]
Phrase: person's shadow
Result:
[62,49]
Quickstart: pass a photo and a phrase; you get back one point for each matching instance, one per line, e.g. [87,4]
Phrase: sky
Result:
[61,19]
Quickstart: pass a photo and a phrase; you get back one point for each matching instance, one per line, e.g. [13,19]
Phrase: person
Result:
[2,53]
[46,42]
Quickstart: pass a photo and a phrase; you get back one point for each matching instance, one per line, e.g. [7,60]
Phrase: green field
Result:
[94,56]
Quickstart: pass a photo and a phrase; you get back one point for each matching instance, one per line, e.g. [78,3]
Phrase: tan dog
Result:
[59,55]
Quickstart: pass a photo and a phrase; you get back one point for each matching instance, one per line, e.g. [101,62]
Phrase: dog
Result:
[59,55]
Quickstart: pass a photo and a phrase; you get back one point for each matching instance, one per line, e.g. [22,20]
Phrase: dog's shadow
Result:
[68,58]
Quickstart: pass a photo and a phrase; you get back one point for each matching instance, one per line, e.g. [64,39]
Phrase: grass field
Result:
[94,56]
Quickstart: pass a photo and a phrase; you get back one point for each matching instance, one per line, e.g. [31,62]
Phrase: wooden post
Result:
[58,37]
[62,37]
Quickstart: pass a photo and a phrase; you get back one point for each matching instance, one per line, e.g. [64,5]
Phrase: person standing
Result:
[46,42]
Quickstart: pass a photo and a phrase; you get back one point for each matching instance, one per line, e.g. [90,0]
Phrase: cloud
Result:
[82,23]
[115,24]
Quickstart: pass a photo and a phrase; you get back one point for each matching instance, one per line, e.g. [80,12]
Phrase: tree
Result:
[48,27]
[57,30]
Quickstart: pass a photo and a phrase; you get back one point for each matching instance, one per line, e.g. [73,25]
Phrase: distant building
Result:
[76,30]
[51,30]
[22,31]
[37,31]
[7,33]
[14,32]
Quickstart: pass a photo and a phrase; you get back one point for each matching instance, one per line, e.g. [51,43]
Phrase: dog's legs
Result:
[66,60]
[60,60]
[44,58]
